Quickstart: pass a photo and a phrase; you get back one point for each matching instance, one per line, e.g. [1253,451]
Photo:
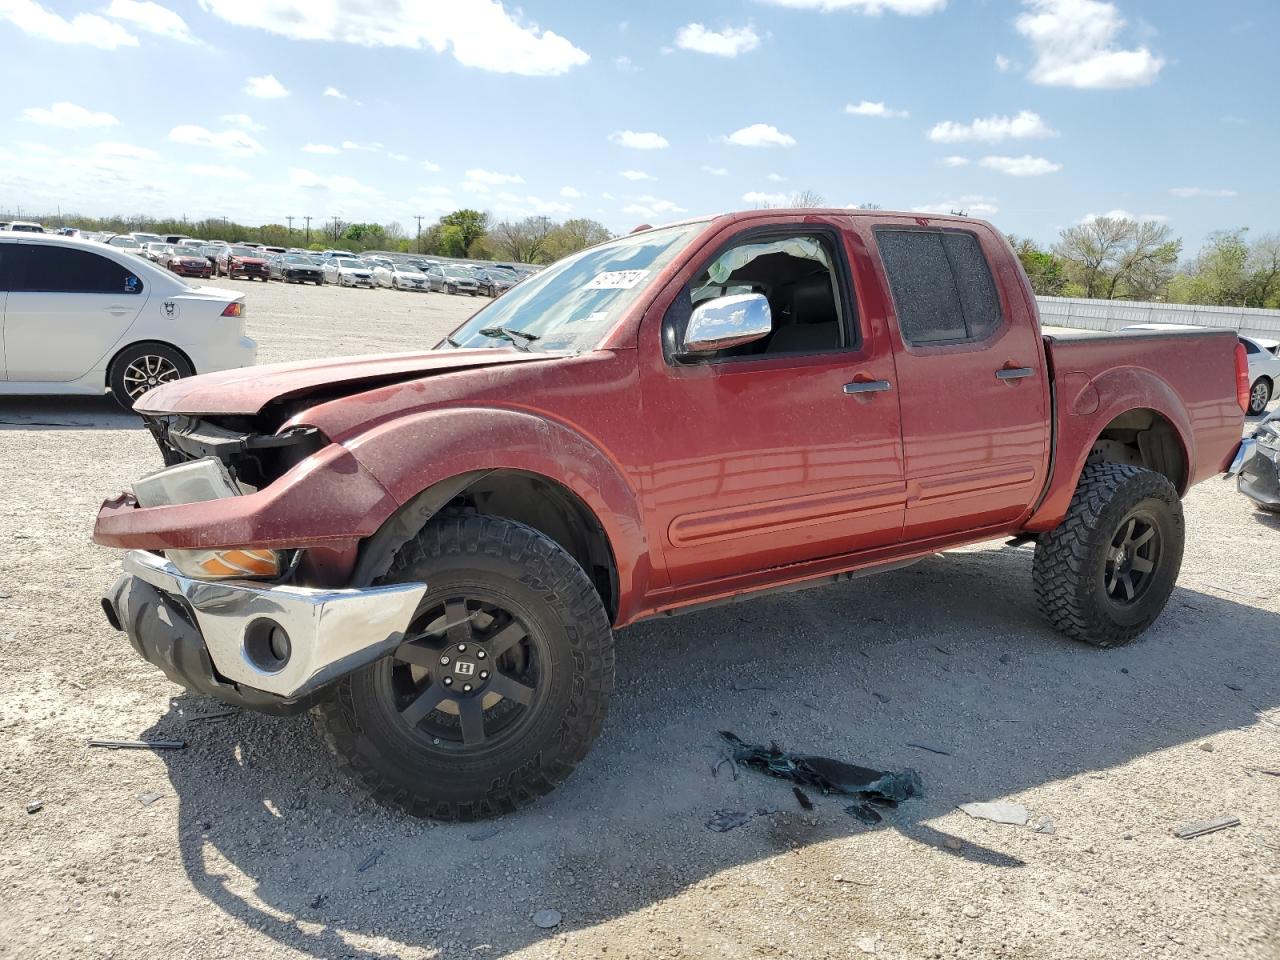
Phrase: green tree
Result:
[574,235]
[1113,258]
[471,223]
[524,241]
[1046,272]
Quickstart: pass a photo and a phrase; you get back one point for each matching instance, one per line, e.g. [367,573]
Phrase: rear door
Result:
[67,308]
[971,375]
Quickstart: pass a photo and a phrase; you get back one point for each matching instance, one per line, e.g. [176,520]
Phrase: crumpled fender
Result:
[409,454]
[1084,412]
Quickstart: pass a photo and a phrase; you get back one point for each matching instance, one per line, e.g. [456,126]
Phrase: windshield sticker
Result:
[616,280]
[130,284]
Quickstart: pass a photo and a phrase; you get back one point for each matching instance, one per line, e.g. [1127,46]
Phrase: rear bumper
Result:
[1260,477]
[224,638]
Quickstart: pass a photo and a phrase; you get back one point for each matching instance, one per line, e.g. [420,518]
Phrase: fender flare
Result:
[427,459]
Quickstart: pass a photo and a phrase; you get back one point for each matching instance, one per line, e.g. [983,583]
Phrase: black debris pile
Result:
[870,788]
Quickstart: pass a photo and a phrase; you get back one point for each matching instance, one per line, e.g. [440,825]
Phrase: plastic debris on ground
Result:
[997,811]
[1205,826]
[871,788]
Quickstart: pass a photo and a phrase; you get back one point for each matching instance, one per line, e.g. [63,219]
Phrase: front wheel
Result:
[1106,572]
[500,687]
[1259,396]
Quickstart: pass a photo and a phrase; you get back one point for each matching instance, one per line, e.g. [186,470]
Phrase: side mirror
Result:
[726,322]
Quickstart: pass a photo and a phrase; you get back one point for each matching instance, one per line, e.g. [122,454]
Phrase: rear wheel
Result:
[1259,396]
[144,367]
[502,682]
[1105,574]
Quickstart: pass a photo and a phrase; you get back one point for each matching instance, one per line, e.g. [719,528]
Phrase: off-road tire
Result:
[1070,561]
[399,765]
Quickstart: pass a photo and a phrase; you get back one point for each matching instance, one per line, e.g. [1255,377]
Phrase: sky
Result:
[1034,114]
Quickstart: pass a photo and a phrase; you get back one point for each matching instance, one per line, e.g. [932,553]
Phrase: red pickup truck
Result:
[433,549]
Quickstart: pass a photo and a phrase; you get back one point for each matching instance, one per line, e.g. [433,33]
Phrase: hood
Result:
[248,390]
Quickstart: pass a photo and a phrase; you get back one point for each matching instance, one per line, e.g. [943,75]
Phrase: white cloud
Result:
[216,172]
[648,206]
[335,93]
[1120,214]
[873,108]
[871,7]
[233,142]
[324,148]
[728,42]
[398,157]
[1024,166]
[345,186]
[123,151]
[776,178]
[241,120]
[975,205]
[954,161]
[152,18]
[430,167]
[606,196]
[490,178]
[1002,63]
[265,87]
[760,135]
[547,207]
[570,192]
[1201,192]
[715,171]
[86,28]
[639,141]
[1074,42]
[1025,126]
[636,175]
[365,147]
[758,198]
[479,33]
[69,116]
[625,64]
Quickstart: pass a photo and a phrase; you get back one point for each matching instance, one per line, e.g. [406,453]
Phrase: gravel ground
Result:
[248,843]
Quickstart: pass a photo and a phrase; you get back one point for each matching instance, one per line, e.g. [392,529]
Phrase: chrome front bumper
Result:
[327,633]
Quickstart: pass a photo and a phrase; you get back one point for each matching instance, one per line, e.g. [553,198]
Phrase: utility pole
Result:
[335,229]
[308,219]
[289,221]
[419,242]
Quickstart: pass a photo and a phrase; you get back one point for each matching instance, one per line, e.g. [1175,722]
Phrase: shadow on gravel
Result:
[65,413]
[950,654]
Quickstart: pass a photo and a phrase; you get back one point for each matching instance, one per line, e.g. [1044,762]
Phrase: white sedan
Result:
[84,318]
[401,276]
[348,272]
[1264,372]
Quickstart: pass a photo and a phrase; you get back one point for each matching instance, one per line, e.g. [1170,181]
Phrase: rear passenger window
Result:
[64,270]
[941,284]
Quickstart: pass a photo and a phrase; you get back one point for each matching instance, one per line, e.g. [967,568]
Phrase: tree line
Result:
[466,233]
[1117,258]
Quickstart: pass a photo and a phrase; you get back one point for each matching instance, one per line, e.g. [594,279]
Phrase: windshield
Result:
[300,260]
[244,252]
[188,252]
[407,268]
[456,272]
[353,264]
[572,304]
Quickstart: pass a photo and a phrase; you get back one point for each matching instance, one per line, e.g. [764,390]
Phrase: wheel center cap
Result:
[465,668]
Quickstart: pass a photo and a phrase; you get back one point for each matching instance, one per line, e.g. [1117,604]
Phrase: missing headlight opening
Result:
[253,459]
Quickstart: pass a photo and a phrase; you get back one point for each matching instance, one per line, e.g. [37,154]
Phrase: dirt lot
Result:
[248,844]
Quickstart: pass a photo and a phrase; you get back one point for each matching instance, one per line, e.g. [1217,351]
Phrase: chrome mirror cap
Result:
[727,322]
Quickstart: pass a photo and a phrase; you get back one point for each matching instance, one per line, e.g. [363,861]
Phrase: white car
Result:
[348,272]
[401,276]
[1264,371]
[84,318]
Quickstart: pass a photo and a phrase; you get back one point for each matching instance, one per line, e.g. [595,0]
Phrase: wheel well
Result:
[142,343]
[551,509]
[1144,438]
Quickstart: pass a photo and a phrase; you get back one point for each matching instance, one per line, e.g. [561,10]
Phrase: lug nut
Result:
[444,661]
[479,654]
[462,648]
[448,681]
[484,674]
[466,688]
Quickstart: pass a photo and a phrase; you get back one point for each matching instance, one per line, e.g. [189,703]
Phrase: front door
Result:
[67,308]
[975,421]
[764,455]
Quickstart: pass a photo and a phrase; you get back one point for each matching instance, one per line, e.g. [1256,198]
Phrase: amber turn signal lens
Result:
[226,564]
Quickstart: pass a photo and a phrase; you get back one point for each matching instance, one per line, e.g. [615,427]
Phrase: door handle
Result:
[867,386]
[117,311]
[1014,373]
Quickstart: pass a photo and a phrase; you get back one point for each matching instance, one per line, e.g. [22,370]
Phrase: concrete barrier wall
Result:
[1113,314]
